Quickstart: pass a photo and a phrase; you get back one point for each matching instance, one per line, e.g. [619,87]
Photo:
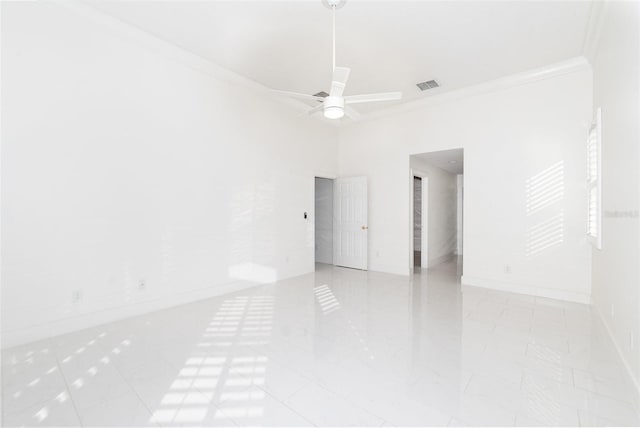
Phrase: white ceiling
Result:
[449,160]
[389,45]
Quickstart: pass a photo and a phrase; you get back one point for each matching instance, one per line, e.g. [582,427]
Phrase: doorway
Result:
[420,188]
[340,222]
[324,220]
[437,208]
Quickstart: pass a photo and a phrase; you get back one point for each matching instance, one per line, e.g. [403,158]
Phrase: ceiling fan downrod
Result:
[333,5]
[334,104]
[333,12]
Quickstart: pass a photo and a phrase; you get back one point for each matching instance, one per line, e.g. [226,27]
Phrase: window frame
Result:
[594,181]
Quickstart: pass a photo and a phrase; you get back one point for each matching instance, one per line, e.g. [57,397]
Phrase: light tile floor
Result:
[338,347]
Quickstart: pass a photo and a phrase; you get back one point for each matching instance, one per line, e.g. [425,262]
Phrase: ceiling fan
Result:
[335,105]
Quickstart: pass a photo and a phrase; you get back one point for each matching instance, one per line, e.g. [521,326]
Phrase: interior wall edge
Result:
[594,29]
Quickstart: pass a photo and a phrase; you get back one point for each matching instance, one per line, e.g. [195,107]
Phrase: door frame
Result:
[313,211]
[424,232]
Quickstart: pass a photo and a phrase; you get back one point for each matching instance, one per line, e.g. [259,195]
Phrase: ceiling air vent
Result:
[429,84]
[322,94]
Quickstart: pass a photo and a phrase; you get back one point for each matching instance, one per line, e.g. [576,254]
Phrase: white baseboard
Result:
[78,322]
[528,289]
[634,380]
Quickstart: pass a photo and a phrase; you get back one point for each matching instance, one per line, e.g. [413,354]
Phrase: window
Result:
[594,181]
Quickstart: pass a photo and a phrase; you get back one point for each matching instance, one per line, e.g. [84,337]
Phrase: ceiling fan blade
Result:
[339,81]
[298,95]
[352,113]
[367,98]
[315,109]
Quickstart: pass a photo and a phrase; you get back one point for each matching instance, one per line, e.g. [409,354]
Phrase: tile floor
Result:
[338,347]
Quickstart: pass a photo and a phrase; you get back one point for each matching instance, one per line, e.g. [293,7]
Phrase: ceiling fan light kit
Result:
[335,106]
[334,4]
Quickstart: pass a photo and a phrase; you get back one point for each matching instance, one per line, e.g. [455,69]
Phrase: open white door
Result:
[350,222]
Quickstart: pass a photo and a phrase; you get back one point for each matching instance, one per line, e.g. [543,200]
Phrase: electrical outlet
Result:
[76,296]
[507,268]
[142,285]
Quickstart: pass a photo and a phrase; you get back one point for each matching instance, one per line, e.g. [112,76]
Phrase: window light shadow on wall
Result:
[545,188]
[545,234]
[544,192]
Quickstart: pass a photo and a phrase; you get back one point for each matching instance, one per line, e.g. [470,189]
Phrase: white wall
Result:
[616,271]
[324,220]
[511,131]
[441,218]
[125,159]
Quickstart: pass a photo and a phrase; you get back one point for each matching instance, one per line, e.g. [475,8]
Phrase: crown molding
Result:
[547,72]
[169,51]
[156,44]
[191,60]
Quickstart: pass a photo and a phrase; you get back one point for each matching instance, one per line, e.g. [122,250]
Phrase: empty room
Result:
[319,213]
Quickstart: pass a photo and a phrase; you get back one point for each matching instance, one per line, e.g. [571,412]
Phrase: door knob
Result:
[365,227]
